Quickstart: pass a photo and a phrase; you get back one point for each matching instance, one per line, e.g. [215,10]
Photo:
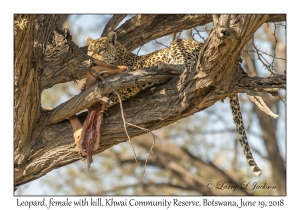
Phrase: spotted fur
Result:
[182,53]
[242,137]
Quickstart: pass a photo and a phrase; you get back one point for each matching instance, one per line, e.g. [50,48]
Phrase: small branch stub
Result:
[261,104]
[222,26]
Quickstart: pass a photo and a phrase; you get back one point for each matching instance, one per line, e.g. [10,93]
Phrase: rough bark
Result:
[29,49]
[144,28]
[112,24]
[64,60]
[44,143]
[98,91]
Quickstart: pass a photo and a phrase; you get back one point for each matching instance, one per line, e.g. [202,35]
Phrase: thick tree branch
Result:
[24,70]
[112,24]
[144,28]
[30,42]
[92,95]
[64,60]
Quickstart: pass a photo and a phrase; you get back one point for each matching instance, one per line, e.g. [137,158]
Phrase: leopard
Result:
[181,53]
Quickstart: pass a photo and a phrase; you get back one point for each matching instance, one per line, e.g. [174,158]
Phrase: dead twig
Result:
[160,43]
[198,33]
[122,112]
[127,123]
[259,102]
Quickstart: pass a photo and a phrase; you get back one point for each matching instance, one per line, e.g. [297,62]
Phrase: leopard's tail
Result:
[238,120]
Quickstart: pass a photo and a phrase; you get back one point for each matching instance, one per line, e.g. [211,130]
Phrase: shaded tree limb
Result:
[270,141]
[112,24]
[64,61]
[268,133]
[29,53]
[89,97]
[269,138]
[97,92]
[170,152]
[144,28]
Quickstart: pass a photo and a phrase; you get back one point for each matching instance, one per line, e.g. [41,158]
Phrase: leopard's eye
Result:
[101,48]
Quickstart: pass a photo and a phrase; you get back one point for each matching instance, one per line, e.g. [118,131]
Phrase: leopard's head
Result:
[103,48]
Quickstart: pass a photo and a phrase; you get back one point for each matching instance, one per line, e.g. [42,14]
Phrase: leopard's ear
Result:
[89,40]
[112,37]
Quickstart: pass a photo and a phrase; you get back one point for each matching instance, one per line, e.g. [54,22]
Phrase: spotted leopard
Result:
[182,53]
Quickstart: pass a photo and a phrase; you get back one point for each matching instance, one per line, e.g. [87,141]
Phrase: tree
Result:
[45,56]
